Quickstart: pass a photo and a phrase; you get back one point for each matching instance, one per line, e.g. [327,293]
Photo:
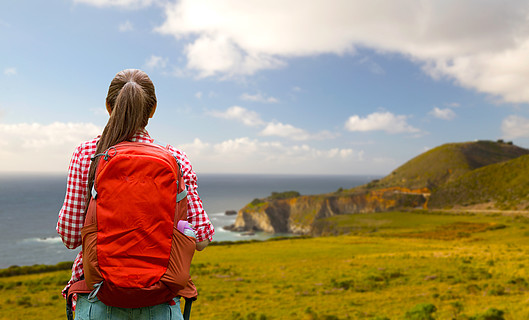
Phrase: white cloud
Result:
[211,56]
[156,62]
[196,148]
[284,130]
[498,73]
[239,147]
[445,114]
[39,147]
[246,155]
[380,121]
[199,95]
[290,132]
[515,127]
[481,45]
[268,36]
[126,26]
[11,71]
[248,117]
[258,98]
[277,129]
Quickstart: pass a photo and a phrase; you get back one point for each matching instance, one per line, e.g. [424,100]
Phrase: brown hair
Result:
[131,99]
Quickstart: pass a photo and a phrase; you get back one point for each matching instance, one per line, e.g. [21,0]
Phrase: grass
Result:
[36,296]
[397,265]
[448,162]
[504,184]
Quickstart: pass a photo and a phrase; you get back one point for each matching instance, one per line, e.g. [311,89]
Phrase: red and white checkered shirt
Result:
[71,216]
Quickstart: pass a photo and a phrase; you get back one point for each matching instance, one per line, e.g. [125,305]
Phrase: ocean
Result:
[29,205]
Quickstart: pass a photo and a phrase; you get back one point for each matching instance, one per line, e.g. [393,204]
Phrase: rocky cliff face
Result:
[298,215]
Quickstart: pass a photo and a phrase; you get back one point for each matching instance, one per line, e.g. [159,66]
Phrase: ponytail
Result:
[131,99]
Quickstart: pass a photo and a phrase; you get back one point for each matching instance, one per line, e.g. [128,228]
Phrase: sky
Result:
[277,86]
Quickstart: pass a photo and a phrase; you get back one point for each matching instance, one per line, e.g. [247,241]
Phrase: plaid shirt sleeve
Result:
[196,215]
[71,215]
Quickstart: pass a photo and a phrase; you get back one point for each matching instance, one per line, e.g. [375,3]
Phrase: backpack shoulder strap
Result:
[183,194]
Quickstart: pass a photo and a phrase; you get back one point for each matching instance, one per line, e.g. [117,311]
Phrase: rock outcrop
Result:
[298,215]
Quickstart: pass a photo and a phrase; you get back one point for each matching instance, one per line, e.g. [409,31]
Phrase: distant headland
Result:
[478,175]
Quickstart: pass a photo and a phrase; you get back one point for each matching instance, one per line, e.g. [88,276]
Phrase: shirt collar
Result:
[142,136]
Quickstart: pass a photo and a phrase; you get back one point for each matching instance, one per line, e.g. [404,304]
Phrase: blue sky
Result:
[277,86]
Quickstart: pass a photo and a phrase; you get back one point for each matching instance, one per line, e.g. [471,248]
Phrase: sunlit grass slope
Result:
[392,266]
[504,185]
[448,162]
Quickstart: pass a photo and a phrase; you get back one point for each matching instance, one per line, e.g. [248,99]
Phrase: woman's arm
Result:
[71,217]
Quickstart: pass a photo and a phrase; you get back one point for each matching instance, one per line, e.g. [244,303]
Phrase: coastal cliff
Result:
[298,214]
[452,175]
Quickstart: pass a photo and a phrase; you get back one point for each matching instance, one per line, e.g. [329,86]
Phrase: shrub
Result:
[421,311]
[256,202]
[497,290]
[24,301]
[457,307]
[16,270]
[491,314]
[284,195]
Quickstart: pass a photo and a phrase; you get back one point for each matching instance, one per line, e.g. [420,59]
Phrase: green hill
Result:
[449,162]
[503,185]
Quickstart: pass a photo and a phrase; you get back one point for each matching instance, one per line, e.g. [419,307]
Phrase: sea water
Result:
[29,205]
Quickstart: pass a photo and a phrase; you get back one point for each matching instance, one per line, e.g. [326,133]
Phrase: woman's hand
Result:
[202,244]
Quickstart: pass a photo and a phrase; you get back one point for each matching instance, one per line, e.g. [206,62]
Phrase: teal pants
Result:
[94,309]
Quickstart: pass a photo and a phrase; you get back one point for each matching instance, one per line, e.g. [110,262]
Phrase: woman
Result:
[130,102]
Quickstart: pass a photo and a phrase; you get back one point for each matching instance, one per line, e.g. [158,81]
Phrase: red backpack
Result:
[135,252]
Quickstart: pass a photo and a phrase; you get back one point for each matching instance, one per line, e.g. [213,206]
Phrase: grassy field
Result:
[398,265]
